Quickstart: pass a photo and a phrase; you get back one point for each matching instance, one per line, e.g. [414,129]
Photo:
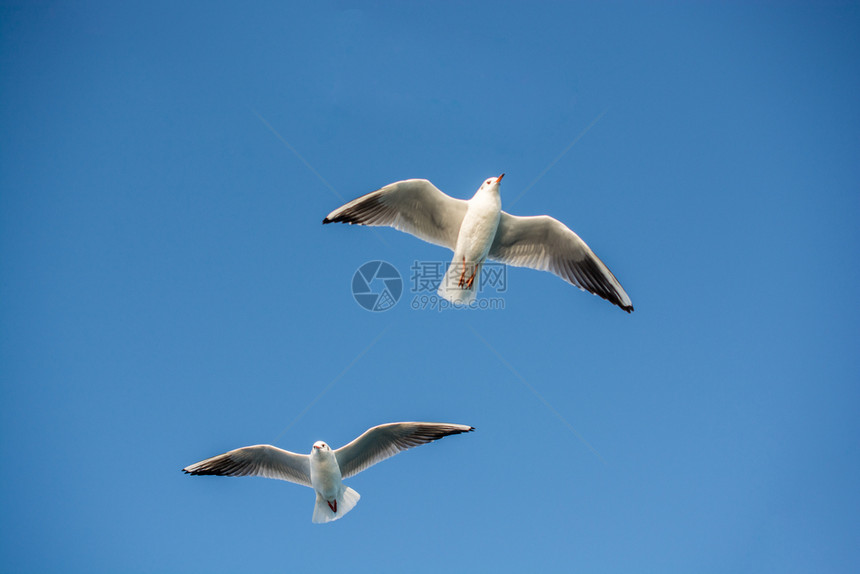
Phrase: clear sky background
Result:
[167,292]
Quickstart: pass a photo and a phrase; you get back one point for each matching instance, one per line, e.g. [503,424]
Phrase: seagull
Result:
[477,230]
[324,469]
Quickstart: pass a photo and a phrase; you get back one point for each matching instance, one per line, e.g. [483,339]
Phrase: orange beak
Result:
[500,178]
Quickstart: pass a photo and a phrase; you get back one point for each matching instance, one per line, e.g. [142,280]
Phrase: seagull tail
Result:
[450,287]
[325,512]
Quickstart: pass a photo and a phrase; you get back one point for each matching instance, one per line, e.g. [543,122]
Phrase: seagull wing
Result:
[384,441]
[546,244]
[415,206]
[259,460]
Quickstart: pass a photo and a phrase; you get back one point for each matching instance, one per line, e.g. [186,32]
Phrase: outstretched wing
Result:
[415,206]
[544,243]
[259,460]
[384,441]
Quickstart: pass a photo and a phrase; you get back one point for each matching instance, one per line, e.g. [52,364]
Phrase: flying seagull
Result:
[477,230]
[324,469]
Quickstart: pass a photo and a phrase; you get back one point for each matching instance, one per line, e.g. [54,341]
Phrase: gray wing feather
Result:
[415,206]
[384,441]
[259,460]
[546,244]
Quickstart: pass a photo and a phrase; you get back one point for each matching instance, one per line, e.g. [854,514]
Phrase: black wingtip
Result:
[326,220]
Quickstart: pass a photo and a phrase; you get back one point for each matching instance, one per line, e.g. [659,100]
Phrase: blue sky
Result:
[168,293]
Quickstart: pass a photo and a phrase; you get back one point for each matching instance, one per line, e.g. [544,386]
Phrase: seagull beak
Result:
[500,178]
[315,446]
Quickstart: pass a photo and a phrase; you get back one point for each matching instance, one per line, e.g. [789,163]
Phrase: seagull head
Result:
[492,183]
[320,446]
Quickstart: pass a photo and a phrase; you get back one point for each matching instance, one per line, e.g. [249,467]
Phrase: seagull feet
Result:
[332,505]
[471,280]
[462,280]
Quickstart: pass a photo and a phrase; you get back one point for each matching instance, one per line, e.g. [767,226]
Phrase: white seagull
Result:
[324,469]
[478,230]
